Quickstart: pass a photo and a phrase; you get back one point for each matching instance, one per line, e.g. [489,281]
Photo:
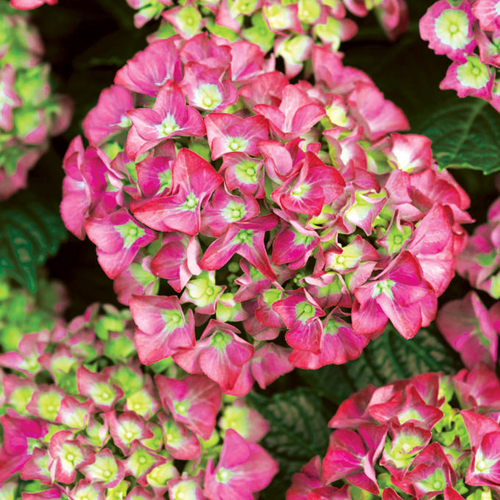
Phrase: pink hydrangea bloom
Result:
[438,442]
[272,215]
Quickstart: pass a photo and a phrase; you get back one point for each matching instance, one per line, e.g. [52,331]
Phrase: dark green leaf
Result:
[465,133]
[386,359]
[29,233]
[298,432]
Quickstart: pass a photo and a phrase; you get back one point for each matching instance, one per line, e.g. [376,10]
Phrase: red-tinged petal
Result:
[146,122]
[452,494]
[306,117]
[369,318]
[407,320]
[195,174]
[193,401]
[182,443]
[380,116]
[221,250]
[477,427]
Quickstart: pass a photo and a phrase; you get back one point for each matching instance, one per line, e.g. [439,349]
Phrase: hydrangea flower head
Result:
[262,208]
[101,425]
[29,114]
[418,438]
[467,32]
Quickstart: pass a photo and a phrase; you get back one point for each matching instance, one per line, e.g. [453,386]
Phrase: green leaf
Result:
[298,432]
[465,133]
[29,233]
[386,359]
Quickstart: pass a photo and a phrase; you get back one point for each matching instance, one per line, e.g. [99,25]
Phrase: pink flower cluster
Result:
[418,438]
[468,32]
[260,206]
[28,112]
[290,28]
[480,260]
[82,418]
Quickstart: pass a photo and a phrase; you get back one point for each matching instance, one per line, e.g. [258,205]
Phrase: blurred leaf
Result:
[298,432]
[29,233]
[114,49]
[465,133]
[386,359]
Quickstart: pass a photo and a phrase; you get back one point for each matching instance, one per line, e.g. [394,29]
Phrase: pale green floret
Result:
[4,99]
[130,232]
[161,474]
[329,32]
[302,239]
[30,364]
[337,115]
[271,296]
[483,465]
[293,49]
[76,420]
[401,452]
[191,202]
[435,482]
[233,211]
[202,290]
[167,126]
[236,144]
[384,287]
[103,469]
[125,122]
[277,16]
[156,442]
[182,407]
[184,491]
[20,398]
[300,190]
[243,7]
[71,456]
[172,434]
[87,493]
[8,491]
[189,20]
[207,96]
[220,340]
[473,73]
[102,394]
[63,364]
[452,28]
[165,179]
[140,461]
[332,327]
[349,258]
[410,414]
[259,33]
[235,418]
[119,492]
[396,239]
[227,308]
[173,320]
[32,444]
[244,236]
[495,286]
[128,431]
[48,405]
[309,11]
[246,172]
[224,475]
[304,311]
